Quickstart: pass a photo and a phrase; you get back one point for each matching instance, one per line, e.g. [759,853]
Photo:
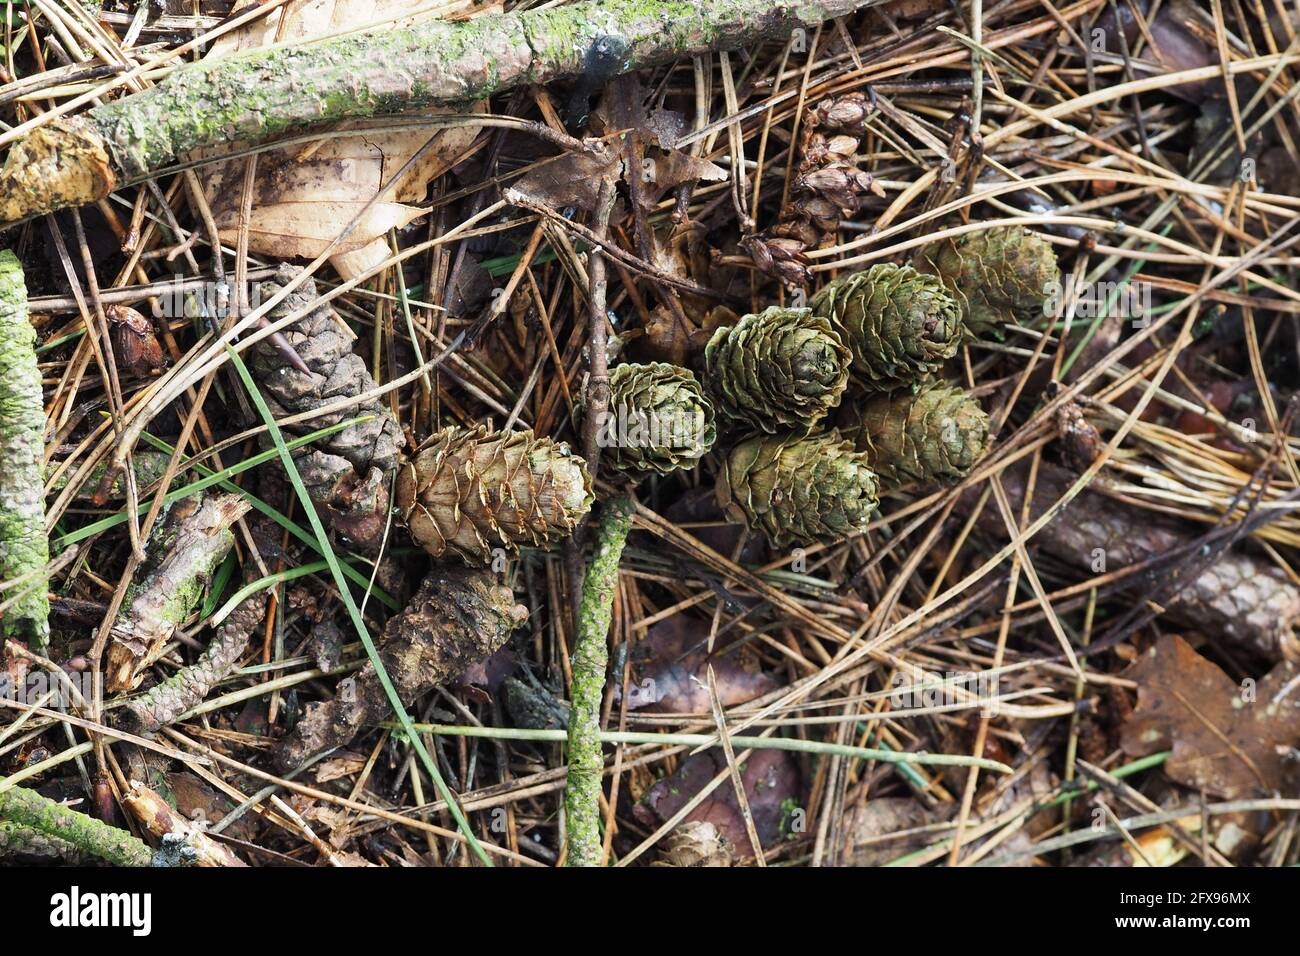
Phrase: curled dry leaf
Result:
[135,344]
[1233,740]
[303,195]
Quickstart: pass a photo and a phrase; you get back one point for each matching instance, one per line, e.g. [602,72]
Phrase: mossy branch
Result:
[590,660]
[24,546]
[28,808]
[252,97]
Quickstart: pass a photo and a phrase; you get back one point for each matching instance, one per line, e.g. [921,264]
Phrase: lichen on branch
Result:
[194,542]
[27,808]
[24,546]
[590,661]
[253,97]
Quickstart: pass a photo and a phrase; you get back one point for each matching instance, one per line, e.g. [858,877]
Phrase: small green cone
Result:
[778,370]
[937,434]
[902,325]
[796,489]
[1001,275]
[659,419]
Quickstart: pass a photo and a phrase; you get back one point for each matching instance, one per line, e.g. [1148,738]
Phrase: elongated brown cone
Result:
[468,491]
[936,435]
[458,618]
[902,325]
[782,369]
[798,490]
[999,275]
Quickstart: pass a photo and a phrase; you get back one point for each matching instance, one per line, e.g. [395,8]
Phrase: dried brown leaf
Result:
[670,664]
[303,196]
[1230,739]
[772,785]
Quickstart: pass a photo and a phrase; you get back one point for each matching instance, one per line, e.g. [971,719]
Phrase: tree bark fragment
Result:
[251,98]
[197,538]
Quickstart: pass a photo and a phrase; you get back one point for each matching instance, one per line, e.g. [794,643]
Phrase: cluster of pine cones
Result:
[802,463]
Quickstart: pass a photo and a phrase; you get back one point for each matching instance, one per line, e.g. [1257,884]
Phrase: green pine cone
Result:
[902,325]
[1000,275]
[659,419]
[779,369]
[937,434]
[796,489]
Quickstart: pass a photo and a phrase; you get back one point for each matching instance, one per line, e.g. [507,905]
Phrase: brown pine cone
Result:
[468,491]
[457,619]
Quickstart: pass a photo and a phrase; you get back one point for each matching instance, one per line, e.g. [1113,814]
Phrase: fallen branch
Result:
[251,98]
[21,844]
[196,540]
[178,838]
[190,686]
[590,660]
[28,808]
[24,547]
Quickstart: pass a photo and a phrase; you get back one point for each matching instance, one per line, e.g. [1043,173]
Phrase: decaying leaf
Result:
[573,179]
[698,843]
[135,344]
[772,786]
[670,665]
[201,803]
[304,195]
[877,831]
[1230,739]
